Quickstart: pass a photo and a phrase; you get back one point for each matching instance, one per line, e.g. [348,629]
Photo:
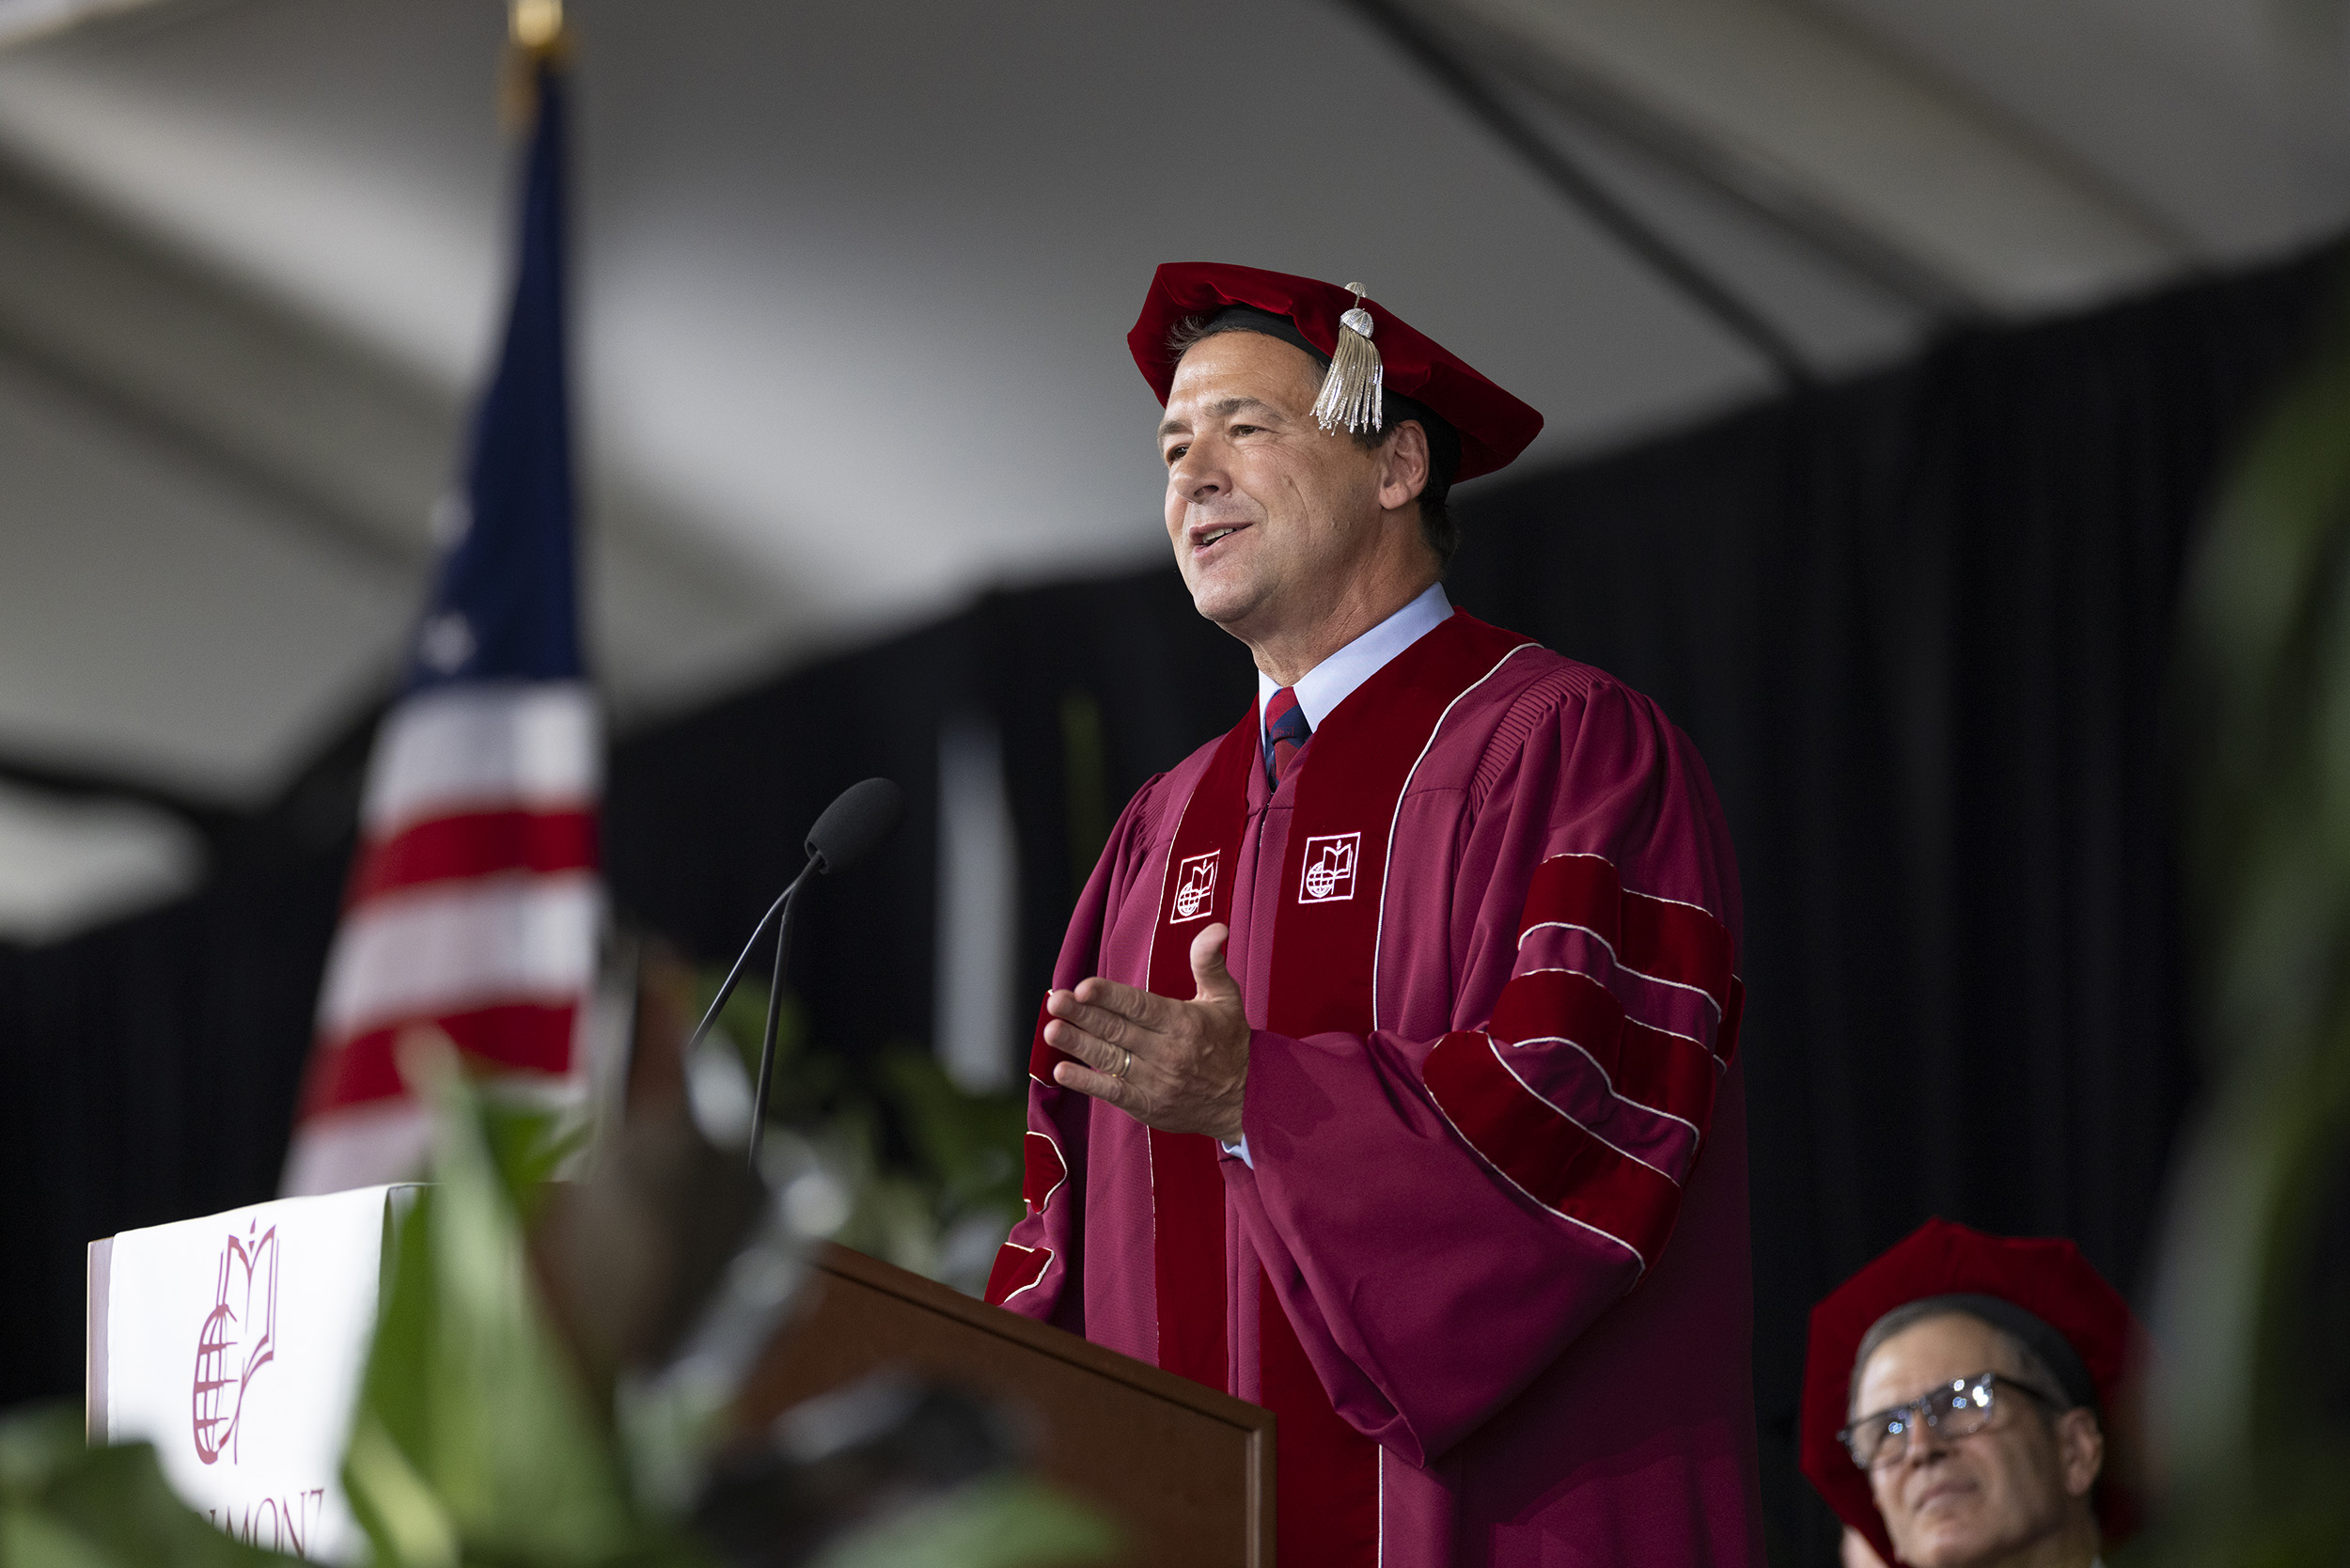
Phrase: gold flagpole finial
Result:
[537,42]
[536,23]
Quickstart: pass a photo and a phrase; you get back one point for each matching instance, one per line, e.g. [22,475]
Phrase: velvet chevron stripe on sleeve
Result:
[1592,1087]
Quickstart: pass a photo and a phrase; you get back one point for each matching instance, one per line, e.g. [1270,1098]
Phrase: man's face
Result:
[1270,515]
[1947,1502]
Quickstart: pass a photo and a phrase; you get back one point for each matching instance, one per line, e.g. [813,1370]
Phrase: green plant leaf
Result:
[473,1435]
[2253,1458]
[66,1505]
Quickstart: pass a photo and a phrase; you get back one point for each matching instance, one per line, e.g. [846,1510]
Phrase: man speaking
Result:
[1389,1080]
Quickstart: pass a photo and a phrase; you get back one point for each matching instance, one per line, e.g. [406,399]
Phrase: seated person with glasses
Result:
[1960,1404]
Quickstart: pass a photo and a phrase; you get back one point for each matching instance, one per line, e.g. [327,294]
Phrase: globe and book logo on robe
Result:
[238,1338]
[1331,861]
[1195,887]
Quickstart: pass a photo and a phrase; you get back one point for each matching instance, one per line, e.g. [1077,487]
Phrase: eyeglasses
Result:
[1956,1409]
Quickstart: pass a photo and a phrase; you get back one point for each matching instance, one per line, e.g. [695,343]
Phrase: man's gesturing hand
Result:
[1176,1066]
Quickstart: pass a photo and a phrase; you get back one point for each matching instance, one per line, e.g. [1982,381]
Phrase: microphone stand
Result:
[860,817]
[782,907]
[775,1015]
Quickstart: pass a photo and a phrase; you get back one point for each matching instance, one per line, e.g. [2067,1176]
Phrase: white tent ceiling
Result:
[853,280]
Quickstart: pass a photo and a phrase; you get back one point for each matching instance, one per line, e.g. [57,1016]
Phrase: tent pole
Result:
[1584,192]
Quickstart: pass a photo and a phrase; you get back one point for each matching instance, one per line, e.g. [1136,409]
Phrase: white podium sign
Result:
[235,1344]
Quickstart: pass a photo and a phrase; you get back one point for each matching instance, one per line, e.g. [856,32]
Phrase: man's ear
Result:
[2080,1450]
[1403,465]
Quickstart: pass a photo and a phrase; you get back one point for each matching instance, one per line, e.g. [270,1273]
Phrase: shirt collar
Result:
[1333,681]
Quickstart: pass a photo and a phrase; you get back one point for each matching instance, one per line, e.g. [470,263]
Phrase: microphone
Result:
[851,828]
[853,825]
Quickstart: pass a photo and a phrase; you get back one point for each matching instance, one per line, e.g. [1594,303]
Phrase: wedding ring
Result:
[1126,1063]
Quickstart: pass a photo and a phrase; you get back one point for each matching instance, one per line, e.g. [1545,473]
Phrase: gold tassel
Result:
[1350,392]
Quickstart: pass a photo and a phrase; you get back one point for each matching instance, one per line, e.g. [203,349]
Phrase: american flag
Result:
[474,907]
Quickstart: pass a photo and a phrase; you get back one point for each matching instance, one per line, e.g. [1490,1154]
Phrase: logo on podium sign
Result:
[1195,887]
[238,1338]
[1331,861]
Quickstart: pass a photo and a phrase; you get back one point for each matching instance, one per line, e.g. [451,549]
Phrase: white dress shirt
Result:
[1333,681]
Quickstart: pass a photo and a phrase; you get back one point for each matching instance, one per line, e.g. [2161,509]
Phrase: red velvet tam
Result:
[2048,1279]
[1494,425]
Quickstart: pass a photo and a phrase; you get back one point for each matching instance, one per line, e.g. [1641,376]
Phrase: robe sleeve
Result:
[1038,1271]
[1442,1217]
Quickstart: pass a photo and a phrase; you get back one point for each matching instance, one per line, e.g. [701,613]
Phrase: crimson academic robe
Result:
[1485,932]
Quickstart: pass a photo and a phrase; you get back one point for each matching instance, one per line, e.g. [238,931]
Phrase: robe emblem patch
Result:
[1331,861]
[1195,887]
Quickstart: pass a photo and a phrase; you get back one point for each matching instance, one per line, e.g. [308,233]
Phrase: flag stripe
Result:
[361,1146]
[516,1036]
[478,844]
[487,745]
[448,947]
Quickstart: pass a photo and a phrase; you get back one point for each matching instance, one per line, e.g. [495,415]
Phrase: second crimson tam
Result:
[2046,1277]
[1494,425]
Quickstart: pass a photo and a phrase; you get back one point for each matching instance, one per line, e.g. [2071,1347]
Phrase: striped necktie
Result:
[1285,730]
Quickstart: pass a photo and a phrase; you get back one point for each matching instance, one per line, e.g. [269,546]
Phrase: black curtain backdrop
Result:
[148,1069]
[1919,624]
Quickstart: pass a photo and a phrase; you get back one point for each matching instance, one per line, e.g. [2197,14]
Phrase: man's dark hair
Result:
[2038,1353]
[1436,524]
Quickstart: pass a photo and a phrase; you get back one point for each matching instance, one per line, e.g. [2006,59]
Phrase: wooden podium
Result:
[1186,1471]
